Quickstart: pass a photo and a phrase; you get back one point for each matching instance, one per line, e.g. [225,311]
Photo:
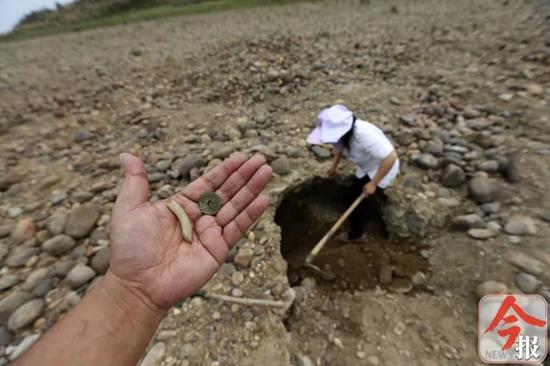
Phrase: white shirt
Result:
[368,147]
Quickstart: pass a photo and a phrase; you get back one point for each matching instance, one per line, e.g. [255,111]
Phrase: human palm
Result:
[148,250]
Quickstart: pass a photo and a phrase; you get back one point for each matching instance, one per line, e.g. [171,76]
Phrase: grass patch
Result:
[161,11]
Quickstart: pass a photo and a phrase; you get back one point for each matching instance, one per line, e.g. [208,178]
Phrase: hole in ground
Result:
[309,211]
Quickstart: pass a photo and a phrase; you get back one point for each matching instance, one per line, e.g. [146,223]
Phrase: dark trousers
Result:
[368,208]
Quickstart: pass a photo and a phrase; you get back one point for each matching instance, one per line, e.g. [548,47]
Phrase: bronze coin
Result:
[210,203]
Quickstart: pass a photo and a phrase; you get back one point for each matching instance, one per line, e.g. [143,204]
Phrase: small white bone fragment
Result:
[186,227]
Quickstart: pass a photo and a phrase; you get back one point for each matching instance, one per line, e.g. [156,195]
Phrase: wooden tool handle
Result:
[333,229]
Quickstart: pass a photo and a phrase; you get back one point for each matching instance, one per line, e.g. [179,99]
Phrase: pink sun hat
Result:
[332,124]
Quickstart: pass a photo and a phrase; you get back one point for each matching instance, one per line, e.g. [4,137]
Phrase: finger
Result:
[214,178]
[209,233]
[233,231]
[238,179]
[134,190]
[246,194]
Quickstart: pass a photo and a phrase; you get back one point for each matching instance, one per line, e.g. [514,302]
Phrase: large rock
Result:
[82,220]
[80,275]
[453,176]
[11,302]
[520,225]
[26,314]
[58,245]
[483,190]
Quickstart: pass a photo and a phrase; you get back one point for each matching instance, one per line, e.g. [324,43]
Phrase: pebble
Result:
[427,161]
[321,152]
[34,277]
[7,281]
[23,230]
[281,165]
[187,163]
[237,278]
[489,166]
[6,337]
[26,314]
[23,346]
[100,261]
[520,225]
[226,270]
[80,275]
[13,212]
[82,220]
[527,283]
[514,239]
[409,119]
[56,224]
[5,230]
[525,263]
[482,234]
[491,207]
[42,287]
[21,255]
[243,257]
[58,245]
[483,190]
[491,288]
[58,197]
[11,302]
[373,360]
[453,176]
[302,360]
[155,355]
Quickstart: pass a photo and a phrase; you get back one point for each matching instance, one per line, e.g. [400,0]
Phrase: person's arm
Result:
[151,265]
[337,157]
[383,169]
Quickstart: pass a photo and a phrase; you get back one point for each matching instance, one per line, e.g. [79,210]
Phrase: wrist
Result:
[130,301]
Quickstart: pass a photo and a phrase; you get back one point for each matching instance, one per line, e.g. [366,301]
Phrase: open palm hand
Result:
[148,251]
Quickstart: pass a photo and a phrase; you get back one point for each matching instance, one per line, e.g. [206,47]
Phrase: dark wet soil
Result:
[307,213]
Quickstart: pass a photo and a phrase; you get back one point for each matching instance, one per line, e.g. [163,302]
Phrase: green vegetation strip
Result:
[161,11]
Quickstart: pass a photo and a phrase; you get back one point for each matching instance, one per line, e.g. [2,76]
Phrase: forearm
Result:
[110,326]
[337,158]
[385,167]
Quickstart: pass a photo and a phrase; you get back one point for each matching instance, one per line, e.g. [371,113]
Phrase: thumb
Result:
[135,187]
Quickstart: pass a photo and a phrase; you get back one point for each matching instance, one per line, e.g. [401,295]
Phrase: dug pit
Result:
[308,211]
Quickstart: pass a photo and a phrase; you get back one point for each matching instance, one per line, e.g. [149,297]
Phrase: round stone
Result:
[210,203]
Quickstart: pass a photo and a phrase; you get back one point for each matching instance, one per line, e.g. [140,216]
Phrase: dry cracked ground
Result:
[461,87]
